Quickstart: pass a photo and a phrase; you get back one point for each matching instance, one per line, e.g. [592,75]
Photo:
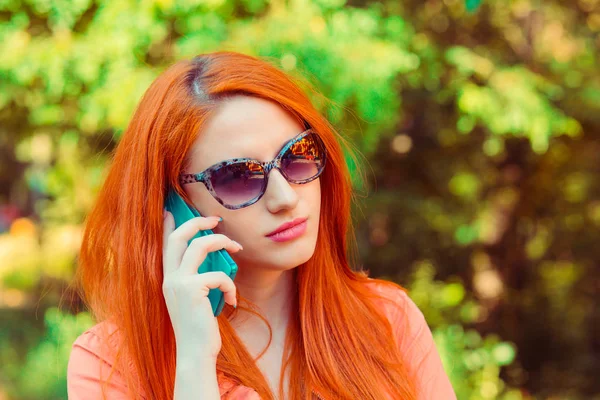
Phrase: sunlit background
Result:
[479,123]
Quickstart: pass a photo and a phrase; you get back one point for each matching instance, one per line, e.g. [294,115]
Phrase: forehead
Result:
[243,126]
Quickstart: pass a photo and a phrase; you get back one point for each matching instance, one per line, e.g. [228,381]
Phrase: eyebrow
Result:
[287,141]
[276,153]
[252,158]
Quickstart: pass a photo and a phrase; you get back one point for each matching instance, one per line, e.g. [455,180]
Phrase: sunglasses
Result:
[241,182]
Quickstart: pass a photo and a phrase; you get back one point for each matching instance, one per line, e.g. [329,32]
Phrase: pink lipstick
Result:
[288,231]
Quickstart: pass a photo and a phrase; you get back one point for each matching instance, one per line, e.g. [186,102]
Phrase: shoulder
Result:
[404,315]
[93,354]
[100,340]
[90,369]
[407,320]
[414,339]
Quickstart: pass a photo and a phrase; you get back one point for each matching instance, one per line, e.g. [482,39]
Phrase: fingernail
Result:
[217,218]
[235,305]
[240,246]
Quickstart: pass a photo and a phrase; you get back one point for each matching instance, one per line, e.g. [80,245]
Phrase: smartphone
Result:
[219,260]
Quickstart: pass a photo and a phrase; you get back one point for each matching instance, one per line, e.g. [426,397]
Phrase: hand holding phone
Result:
[218,260]
[186,291]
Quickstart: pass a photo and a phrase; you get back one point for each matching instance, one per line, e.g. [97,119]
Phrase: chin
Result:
[291,254]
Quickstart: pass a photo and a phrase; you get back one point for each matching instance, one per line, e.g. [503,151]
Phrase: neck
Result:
[271,291]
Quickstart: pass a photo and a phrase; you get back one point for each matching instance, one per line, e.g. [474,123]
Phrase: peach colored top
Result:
[89,360]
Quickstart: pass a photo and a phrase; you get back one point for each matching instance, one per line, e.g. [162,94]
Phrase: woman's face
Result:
[251,127]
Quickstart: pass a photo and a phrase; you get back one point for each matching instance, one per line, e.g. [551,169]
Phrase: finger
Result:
[177,240]
[199,248]
[186,231]
[220,280]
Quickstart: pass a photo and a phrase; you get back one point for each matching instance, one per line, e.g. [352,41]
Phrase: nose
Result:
[280,194]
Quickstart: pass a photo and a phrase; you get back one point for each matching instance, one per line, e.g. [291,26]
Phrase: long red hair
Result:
[339,343]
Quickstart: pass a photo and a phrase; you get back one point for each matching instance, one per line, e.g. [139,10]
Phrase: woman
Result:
[307,326]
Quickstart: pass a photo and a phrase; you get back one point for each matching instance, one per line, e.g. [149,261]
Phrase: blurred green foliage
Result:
[42,374]
[480,121]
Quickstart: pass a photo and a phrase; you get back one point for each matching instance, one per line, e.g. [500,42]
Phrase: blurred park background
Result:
[479,123]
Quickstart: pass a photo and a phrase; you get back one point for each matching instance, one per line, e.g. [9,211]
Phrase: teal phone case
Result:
[219,260]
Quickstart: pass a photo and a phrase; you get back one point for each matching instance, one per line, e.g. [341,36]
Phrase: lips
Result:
[287,225]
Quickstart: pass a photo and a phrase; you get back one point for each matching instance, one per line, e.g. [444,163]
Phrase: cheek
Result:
[206,205]
[246,232]
[240,225]
[318,195]
[312,195]
[245,226]
[316,205]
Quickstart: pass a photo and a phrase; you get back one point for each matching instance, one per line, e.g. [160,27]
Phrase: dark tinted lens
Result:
[304,159]
[238,183]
